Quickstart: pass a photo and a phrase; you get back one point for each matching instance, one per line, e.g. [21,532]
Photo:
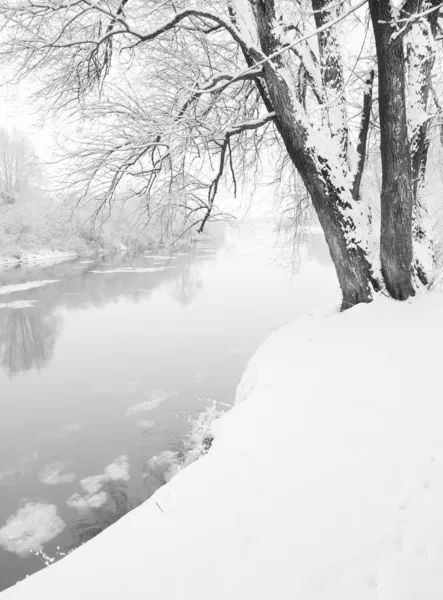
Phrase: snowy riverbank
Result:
[324,482]
[39,256]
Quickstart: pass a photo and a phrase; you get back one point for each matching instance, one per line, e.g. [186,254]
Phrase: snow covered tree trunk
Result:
[321,158]
[420,43]
[397,190]
[332,75]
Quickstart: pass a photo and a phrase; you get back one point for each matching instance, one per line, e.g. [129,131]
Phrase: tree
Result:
[403,38]
[182,93]
[16,158]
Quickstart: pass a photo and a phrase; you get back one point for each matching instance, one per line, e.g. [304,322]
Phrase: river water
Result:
[103,366]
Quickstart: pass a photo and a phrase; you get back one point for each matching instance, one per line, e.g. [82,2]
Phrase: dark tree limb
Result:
[235,130]
[363,135]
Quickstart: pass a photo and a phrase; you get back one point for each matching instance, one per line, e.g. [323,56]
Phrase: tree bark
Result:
[333,79]
[323,178]
[421,52]
[397,190]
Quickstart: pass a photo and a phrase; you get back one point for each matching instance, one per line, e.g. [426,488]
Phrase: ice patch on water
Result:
[52,474]
[20,287]
[143,406]
[30,527]
[164,466]
[156,398]
[132,270]
[119,469]
[19,304]
[93,483]
[82,503]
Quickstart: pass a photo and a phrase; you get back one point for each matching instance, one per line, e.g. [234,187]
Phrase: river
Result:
[105,363]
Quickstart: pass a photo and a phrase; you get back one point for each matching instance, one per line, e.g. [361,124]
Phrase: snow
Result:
[324,482]
[132,270]
[156,397]
[52,256]
[118,470]
[144,406]
[31,526]
[52,474]
[245,22]
[93,483]
[21,287]
[19,304]
[84,503]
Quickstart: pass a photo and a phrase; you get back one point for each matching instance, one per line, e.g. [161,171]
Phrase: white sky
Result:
[17,112]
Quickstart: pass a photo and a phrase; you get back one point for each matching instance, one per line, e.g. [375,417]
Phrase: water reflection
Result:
[156,346]
[98,519]
[27,339]
[28,334]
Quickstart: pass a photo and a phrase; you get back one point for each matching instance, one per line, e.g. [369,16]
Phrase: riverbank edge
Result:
[267,496]
[55,256]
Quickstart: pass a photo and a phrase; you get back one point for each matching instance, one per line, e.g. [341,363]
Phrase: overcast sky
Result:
[16,112]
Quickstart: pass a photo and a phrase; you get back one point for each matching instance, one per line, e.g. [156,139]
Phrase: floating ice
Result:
[87,502]
[32,526]
[157,397]
[20,287]
[93,483]
[19,304]
[130,270]
[119,469]
[52,474]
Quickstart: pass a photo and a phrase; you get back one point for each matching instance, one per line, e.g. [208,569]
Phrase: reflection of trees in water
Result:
[27,339]
[28,335]
[188,284]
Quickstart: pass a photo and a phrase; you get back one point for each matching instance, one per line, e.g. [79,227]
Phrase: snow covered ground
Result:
[324,482]
[36,257]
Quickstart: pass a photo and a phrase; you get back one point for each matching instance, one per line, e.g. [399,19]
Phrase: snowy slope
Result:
[324,482]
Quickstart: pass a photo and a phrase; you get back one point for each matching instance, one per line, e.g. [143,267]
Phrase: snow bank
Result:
[53,256]
[324,482]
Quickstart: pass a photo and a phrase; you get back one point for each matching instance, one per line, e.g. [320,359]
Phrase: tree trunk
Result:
[322,169]
[353,267]
[421,52]
[397,190]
